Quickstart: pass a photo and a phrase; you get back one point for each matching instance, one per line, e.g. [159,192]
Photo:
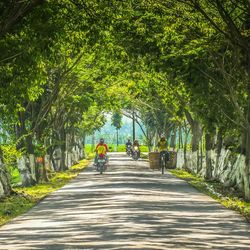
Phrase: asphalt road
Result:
[129,207]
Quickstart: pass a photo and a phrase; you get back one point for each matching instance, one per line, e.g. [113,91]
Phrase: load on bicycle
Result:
[162,158]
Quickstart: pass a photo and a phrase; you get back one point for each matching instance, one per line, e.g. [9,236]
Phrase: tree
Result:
[116,121]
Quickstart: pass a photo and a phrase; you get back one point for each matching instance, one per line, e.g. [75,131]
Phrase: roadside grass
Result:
[15,175]
[25,198]
[144,156]
[228,197]
[89,149]
[112,148]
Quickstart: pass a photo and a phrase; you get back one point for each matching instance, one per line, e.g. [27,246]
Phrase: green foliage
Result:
[10,154]
[65,64]
[15,176]
[14,206]
[116,120]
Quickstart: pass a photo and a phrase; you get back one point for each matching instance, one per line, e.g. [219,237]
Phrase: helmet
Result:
[163,138]
[101,140]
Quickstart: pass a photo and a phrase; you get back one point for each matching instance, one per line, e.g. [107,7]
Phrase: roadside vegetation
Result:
[24,198]
[113,148]
[178,68]
[227,196]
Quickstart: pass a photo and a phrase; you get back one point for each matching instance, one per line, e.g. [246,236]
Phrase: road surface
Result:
[129,207]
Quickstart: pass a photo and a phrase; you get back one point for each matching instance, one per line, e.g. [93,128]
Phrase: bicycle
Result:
[164,157]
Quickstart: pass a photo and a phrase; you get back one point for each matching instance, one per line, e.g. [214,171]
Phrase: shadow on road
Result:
[129,207]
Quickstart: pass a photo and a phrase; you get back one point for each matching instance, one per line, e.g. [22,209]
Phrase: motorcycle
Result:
[128,150]
[101,163]
[135,153]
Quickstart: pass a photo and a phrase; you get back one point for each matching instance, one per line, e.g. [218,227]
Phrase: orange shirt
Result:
[101,148]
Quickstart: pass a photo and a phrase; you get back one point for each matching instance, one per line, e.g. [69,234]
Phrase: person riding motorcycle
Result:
[163,148]
[129,146]
[136,146]
[101,149]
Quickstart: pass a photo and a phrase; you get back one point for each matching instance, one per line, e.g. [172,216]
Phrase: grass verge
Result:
[113,148]
[228,197]
[25,198]
[144,156]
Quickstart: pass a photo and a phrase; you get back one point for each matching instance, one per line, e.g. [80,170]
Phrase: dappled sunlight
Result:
[129,207]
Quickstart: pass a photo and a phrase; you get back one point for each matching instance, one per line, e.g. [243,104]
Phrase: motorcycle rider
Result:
[163,148]
[128,145]
[136,144]
[101,149]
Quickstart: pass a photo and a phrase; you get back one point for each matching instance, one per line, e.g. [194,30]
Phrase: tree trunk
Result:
[93,142]
[63,150]
[25,172]
[152,146]
[247,167]
[151,137]
[68,150]
[63,158]
[199,164]
[44,172]
[168,136]
[117,138]
[20,131]
[209,147]
[173,139]
[24,138]
[246,178]
[49,154]
[219,142]
[133,122]
[196,131]
[29,144]
[33,167]
[56,159]
[26,165]
[180,138]
[196,135]
[201,153]
[82,147]
[48,164]
[5,185]
[185,147]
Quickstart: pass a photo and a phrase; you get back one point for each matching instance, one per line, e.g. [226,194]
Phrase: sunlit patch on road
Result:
[129,207]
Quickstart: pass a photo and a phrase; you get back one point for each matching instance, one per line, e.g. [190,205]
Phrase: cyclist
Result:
[163,149]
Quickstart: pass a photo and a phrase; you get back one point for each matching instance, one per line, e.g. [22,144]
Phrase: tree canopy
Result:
[64,64]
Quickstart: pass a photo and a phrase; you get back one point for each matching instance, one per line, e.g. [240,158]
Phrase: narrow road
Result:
[129,207]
